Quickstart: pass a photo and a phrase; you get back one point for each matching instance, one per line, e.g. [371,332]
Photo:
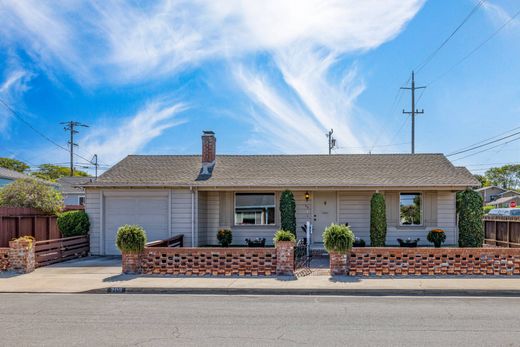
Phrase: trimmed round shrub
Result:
[436,236]
[338,238]
[471,227]
[288,211]
[377,220]
[28,192]
[131,239]
[73,223]
[224,237]
[284,235]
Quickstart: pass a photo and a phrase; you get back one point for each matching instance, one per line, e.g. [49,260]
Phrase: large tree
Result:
[13,164]
[484,182]
[507,176]
[51,172]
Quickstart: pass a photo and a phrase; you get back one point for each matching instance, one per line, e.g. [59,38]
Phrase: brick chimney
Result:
[209,148]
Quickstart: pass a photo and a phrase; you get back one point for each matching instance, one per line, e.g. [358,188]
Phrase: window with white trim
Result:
[254,208]
[410,208]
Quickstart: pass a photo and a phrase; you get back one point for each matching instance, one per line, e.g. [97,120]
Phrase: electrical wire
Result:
[434,53]
[482,145]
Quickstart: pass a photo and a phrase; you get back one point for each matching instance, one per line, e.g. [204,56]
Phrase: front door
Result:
[325,211]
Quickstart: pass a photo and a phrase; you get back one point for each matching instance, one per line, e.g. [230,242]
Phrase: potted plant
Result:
[409,243]
[258,242]
[437,237]
[284,235]
[359,242]
[224,237]
[338,240]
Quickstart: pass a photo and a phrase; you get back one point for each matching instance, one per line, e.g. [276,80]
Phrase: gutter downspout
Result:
[192,217]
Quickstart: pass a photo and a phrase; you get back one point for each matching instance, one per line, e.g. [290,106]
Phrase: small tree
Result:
[377,220]
[73,223]
[225,237]
[28,192]
[288,211]
[471,227]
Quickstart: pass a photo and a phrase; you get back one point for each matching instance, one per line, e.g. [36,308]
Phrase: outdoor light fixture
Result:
[307,196]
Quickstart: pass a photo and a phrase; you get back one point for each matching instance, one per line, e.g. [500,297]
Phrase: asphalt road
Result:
[168,320]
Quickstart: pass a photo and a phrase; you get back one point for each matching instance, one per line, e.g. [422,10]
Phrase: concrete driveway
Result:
[71,276]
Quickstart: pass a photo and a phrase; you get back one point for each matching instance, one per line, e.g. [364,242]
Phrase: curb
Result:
[308,292]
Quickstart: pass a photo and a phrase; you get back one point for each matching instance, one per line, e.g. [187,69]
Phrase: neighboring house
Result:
[72,190]
[196,195]
[490,193]
[504,200]
[8,176]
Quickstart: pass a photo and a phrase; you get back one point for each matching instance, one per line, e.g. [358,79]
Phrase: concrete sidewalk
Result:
[103,275]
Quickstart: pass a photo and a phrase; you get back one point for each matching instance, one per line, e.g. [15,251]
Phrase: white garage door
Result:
[150,212]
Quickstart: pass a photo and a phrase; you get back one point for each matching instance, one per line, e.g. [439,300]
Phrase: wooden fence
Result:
[16,222]
[58,250]
[502,231]
[175,241]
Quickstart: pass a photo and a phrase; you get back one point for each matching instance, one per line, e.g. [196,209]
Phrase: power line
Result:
[487,149]
[490,138]
[482,145]
[429,58]
[475,49]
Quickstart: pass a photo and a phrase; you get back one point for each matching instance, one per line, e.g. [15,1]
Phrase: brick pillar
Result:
[338,264]
[21,255]
[131,263]
[285,258]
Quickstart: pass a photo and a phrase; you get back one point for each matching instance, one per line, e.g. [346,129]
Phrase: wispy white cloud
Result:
[13,86]
[114,139]
[118,42]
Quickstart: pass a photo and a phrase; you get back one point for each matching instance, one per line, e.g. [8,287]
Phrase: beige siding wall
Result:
[181,214]
[354,209]
[303,211]
[438,212]
[93,209]
[209,217]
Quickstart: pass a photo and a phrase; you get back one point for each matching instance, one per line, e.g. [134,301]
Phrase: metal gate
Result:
[302,255]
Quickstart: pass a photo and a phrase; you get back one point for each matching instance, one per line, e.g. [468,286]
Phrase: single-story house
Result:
[490,193]
[71,189]
[195,195]
[8,176]
[504,201]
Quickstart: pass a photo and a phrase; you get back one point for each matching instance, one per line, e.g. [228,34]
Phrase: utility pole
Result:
[95,162]
[332,141]
[70,126]
[414,111]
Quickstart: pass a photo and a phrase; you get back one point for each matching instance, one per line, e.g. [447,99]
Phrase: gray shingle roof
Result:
[348,170]
[69,185]
[11,174]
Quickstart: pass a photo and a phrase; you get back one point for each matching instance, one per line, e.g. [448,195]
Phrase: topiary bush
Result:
[338,238]
[471,227]
[224,237]
[131,239]
[284,235]
[73,223]
[28,192]
[377,220]
[288,211]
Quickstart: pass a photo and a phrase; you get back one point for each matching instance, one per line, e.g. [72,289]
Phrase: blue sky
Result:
[267,77]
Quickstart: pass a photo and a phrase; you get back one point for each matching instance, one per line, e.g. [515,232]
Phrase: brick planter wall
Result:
[21,256]
[4,259]
[285,258]
[338,264]
[433,261]
[131,263]
[209,261]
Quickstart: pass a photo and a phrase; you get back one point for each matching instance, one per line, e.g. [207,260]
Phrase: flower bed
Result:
[393,261]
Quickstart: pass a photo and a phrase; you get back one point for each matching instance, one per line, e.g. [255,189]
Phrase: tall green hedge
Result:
[73,223]
[471,227]
[377,220]
[288,211]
